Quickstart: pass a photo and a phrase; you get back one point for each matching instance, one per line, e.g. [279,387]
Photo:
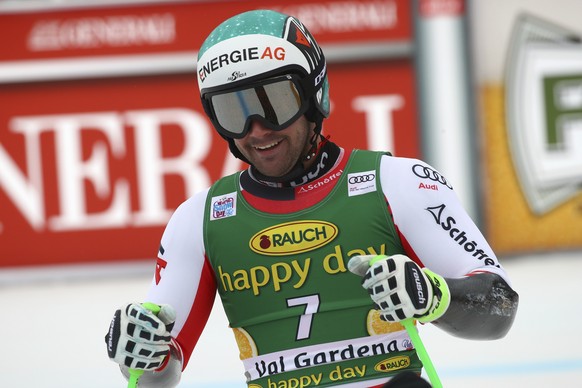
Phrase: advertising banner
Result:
[168,27]
[534,137]
[102,133]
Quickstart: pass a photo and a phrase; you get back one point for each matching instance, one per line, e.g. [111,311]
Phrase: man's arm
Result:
[482,306]
[184,280]
[437,234]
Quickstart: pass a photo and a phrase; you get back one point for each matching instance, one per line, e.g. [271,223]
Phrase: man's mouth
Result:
[267,146]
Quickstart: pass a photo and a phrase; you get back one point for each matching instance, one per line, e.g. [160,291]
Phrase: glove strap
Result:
[441,300]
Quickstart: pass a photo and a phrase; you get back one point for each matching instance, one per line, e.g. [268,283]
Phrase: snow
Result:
[54,322]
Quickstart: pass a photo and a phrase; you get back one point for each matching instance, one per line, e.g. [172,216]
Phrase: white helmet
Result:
[261,65]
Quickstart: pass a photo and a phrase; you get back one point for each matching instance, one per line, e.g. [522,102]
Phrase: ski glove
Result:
[139,339]
[400,288]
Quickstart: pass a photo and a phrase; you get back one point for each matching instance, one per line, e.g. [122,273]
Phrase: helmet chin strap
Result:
[314,149]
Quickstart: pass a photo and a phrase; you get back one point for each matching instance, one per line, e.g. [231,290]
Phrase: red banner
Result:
[91,169]
[171,27]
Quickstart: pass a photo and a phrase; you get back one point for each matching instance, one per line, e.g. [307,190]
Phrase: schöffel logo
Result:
[392,364]
[361,183]
[223,206]
[425,172]
[293,237]
[459,236]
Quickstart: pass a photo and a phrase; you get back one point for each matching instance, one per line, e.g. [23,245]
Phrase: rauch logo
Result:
[293,237]
[393,364]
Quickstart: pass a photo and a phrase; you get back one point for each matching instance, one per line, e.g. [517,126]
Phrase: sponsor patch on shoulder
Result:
[361,183]
[223,206]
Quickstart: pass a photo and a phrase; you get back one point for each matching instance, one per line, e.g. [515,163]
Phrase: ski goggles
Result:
[274,102]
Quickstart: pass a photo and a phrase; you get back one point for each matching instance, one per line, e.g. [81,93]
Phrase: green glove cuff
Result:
[377,259]
[154,308]
[441,299]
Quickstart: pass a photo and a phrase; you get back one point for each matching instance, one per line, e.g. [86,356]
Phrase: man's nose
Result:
[257,128]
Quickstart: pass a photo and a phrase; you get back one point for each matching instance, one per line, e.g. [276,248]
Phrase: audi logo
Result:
[362,178]
[428,173]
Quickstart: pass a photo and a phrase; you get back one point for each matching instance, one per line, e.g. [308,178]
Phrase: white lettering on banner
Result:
[346,16]
[73,171]
[109,31]
[152,166]
[27,195]
[379,120]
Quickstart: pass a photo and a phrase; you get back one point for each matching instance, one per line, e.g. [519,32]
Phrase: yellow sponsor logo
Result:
[392,364]
[292,238]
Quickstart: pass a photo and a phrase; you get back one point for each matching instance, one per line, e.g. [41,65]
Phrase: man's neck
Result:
[323,161]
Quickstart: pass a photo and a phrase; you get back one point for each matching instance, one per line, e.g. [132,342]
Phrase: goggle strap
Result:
[206,106]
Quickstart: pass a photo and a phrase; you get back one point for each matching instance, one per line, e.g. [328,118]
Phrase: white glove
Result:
[400,288]
[138,338]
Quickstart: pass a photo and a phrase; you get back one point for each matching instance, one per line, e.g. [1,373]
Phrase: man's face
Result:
[274,153]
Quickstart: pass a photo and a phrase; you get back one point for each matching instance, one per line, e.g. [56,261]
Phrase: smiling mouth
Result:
[266,147]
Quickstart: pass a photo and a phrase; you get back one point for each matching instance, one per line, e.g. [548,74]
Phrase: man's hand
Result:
[400,288]
[139,339]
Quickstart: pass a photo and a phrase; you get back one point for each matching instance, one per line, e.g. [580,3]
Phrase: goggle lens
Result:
[275,102]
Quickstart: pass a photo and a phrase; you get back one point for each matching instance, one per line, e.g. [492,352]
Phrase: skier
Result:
[317,252]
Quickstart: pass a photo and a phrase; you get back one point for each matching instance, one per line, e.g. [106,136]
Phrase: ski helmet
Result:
[261,65]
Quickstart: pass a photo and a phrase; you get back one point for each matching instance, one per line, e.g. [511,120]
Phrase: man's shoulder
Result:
[402,160]
[195,201]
